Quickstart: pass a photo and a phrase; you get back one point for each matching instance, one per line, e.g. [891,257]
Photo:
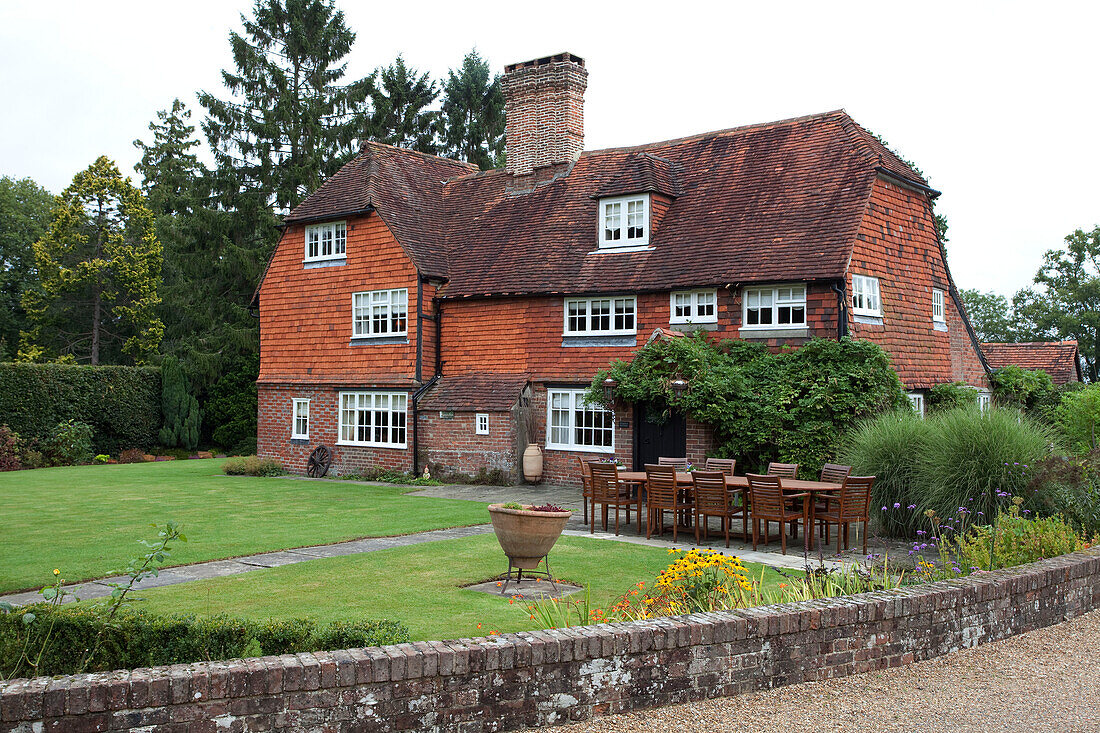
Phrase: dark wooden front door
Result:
[656,436]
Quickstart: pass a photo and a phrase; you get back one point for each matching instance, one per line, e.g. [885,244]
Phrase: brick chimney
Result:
[544,111]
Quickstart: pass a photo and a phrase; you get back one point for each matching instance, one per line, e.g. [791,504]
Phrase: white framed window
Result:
[937,306]
[572,423]
[380,313]
[481,423]
[916,399]
[866,300]
[326,241]
[985,399]
[373,418]
[694,306]
[600,316]
[782,306]
[624,221]
[299,428]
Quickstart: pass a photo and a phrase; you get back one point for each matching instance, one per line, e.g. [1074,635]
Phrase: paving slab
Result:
[528,590]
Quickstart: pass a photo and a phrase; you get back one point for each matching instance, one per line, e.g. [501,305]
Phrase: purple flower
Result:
[897,505]
[884,509]
[1027,511]
[912,506]
[981,514]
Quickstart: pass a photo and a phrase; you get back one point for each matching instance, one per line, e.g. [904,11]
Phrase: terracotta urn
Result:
[527,536]
[532,463]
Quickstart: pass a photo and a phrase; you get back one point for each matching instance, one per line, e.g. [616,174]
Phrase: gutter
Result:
[887,173]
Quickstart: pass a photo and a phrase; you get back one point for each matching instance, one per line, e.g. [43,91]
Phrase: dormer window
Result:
[326,241]
[624,221]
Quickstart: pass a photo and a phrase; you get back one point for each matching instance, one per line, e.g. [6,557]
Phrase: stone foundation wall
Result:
[548,677]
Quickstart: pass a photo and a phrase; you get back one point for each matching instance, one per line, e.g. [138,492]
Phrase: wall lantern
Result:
[678,386]
[609,386]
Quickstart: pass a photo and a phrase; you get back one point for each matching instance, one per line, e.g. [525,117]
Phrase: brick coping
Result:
[562,675]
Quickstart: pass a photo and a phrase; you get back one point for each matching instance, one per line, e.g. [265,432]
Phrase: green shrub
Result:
[9,449]
[951,396]
[887,448]
[1069,487]
[253,466]
[440,474]
[230,408]
[179,406]
[139,639]
[1014,539]
[1078,416]
[1030,390]
[69,444]
[122,404]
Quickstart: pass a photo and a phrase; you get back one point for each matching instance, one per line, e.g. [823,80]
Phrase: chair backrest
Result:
[766,494]
[786,470]
[725,465]
[833,473]
[855,497]
[585,473]
[711,493]
[681,464]
[605,480]
[660,485]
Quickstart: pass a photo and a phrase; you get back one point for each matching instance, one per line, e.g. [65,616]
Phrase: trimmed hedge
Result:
[121,403]
[140,639]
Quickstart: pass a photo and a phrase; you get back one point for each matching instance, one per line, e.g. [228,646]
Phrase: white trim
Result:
[337,244]
[916,399]
[938,305]
[866,292]
[294,416]
[575,398]
[791,301]
[481,423]
[625,214]
[612,304]
[380,404]
[985,400]
[391,305]
[690,308]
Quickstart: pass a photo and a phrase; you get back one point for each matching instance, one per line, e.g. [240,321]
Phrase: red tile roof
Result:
[1059,359]
[768,202]
[469,392]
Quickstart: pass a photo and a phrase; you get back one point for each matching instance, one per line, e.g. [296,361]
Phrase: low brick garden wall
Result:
[557,676]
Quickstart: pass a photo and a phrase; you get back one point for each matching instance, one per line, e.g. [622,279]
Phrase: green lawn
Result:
[86,520]
[418,584]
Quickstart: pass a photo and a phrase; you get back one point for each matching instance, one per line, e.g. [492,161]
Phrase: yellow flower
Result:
[57,571]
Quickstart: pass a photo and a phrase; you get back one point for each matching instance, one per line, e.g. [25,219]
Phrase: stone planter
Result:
[527,536]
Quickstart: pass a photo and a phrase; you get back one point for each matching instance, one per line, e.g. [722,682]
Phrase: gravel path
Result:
[1045,680]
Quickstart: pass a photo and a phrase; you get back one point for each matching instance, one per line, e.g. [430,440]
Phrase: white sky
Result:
[996,101]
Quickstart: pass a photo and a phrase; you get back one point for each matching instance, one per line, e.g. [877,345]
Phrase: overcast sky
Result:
[997,102]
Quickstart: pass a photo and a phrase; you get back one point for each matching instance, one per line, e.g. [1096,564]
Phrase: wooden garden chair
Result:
[608,491]
[681,464]
[713,499]
[725,465]
[831,473]
[768,503]
[784,470]
[586,488]
[663,494]
[850,505]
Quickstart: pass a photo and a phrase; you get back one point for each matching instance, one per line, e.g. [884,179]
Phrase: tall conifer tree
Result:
[473,112]
[401,97]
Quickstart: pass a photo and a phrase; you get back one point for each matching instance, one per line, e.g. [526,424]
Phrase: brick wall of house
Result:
[453,443]
[700,442]
[274,441]
[306,313]
[560,467]
[541,678]
[897,244]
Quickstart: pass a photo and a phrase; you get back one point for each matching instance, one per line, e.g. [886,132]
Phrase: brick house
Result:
[1059,359]
[418,311]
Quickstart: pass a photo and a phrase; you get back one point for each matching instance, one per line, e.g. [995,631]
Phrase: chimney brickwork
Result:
[544,111]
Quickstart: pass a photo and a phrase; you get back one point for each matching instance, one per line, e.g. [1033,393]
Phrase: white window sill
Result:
[395,335]
[783,327]
[604,248]
[597,334]
[299,437]
[581,448]
[395,446]
[867,313]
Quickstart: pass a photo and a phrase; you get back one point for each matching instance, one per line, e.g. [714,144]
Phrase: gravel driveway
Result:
[1045,680]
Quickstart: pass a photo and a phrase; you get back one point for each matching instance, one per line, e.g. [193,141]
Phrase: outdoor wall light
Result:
[609,386]
[678,386]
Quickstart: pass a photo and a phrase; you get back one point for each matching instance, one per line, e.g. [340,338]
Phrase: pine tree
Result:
[290,123]
[179,407]
[99,267]
[25,209]
[473,113]
[400,116]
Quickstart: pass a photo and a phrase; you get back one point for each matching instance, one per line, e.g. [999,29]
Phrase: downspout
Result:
[420,318]
[841,309]
[416,411]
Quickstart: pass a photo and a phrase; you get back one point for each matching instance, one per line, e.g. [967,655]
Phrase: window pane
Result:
[752,317]
[704,304]
[635,220]
[612,222]
[341,238]
[601,315]
[624,314]
[578,315]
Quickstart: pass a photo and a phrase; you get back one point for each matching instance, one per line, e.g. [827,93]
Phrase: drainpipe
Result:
[420,318]
[841,310]
[416,421]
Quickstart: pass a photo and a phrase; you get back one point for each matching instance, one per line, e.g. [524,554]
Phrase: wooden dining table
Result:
[812,489]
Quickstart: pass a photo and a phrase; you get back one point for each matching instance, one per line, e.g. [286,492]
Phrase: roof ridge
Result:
[441,158]
[715,133]
[1068,342]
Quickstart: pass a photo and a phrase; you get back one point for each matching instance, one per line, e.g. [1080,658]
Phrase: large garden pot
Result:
[526,536]
[532,463]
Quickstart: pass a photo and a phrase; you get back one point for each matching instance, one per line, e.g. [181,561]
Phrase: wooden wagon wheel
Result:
[320,460]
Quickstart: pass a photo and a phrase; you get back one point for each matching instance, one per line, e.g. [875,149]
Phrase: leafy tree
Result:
[232,406]
[1079,416]
[1067,302]
[24,215]
[99,267]
[473,113]
[290,123]
[990,315]
[1031,390]
[179,407]
[401,117]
